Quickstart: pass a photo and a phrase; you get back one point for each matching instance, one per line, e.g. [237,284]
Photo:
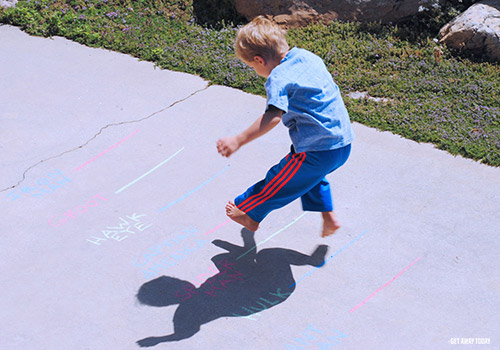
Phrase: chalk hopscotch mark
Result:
[385,285]
[271,236]
[106,151]
[193,190]
[149,172]
[217,227]
[100,132]
[331,257]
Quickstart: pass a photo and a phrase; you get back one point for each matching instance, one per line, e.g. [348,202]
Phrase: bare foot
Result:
[330,223]
[240,217]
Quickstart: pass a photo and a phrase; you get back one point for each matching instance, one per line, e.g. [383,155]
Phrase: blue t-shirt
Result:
[314,111]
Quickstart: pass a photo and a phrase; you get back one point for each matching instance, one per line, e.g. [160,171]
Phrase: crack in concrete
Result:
[99,132]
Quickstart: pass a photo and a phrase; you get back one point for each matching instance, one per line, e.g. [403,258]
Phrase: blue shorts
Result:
[296,175]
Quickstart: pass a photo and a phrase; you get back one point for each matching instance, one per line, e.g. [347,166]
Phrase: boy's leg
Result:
[237,211]
[294,176]
[319,198]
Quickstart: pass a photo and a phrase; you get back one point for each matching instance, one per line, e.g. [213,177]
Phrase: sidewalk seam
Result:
[100,131]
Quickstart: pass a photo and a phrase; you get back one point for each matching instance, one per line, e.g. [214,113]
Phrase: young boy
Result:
[301,93]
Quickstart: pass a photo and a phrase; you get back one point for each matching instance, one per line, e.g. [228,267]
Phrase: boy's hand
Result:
[227,146]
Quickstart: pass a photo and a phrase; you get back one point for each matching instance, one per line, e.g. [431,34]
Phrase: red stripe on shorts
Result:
[264,191]
[279,184]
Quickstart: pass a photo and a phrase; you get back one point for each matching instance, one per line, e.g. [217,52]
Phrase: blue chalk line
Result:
[192,191]
[335,254]
[149,172]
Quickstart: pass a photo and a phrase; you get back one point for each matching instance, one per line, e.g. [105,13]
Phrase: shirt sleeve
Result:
[277,94]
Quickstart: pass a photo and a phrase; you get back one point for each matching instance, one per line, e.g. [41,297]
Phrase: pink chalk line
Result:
[217,227]
[109,149]
[385,285]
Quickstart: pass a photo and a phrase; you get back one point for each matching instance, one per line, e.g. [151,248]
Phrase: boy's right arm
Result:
[228,145]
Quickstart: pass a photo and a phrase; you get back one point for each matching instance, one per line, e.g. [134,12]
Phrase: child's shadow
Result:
[248,282]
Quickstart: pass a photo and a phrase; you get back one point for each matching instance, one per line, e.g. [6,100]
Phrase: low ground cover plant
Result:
[430,93]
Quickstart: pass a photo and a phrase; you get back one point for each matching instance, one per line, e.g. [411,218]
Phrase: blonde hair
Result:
[260,37]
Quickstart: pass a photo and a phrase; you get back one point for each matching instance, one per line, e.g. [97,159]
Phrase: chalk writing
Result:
[159,249]
[130,224]
[216,282]
[155,268]
[202,277]
[44,186]
[73,213]
[252,309]
[164,262]
[313,336]
[159,259]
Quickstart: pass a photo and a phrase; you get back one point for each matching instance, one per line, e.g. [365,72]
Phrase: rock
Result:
[8,3]
[359,95]
[297,12]
[475,31]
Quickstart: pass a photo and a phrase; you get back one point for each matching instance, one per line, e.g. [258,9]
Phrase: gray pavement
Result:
[110,179]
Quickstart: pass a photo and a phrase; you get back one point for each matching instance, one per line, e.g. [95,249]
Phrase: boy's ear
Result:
[259,59]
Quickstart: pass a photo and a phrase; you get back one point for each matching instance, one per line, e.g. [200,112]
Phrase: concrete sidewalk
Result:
[110,179]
